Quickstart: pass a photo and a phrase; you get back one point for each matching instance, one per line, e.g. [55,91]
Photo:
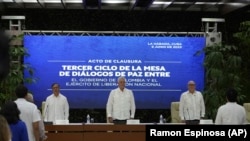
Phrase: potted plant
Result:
[242,39]
[222,70]
[16,71]
[227,65]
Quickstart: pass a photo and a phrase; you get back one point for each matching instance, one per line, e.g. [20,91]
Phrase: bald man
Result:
[192,107]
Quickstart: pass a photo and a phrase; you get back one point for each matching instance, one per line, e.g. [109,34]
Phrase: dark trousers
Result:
[192,122]
[116,121]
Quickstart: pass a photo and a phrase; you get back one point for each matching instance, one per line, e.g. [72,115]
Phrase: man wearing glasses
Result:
[56,105]
[192,107]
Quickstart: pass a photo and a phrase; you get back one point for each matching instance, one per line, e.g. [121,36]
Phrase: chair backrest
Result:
[175,118]
[107,119]
[247,108]
[43,106]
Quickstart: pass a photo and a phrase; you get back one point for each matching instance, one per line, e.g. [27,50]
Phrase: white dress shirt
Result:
[121,104]
[41,128]
[191,106]
[28,114]
[231,113]
[56,108]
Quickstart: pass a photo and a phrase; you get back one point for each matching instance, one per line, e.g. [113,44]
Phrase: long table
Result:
[95,132]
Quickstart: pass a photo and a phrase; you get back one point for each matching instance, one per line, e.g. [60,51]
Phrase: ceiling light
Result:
[115,1]
[161,2]
[30,1]
[207,3]
[7,0]
[52,1]
[73,1]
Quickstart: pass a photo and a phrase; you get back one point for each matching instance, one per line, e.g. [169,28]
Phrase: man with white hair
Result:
[43,137]
[121,103]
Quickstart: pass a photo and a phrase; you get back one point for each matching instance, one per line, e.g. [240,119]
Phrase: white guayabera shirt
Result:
[56,108]
[121,104]
[191,106]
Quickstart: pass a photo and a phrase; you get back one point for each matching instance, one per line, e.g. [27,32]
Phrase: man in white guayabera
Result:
[192,107]
[56,105]
[121,103]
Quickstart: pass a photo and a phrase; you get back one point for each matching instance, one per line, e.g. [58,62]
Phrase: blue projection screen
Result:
[157,69]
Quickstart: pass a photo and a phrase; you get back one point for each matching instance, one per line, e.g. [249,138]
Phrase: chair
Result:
[175,118]
[107,119]
[247,108]
[43,106]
